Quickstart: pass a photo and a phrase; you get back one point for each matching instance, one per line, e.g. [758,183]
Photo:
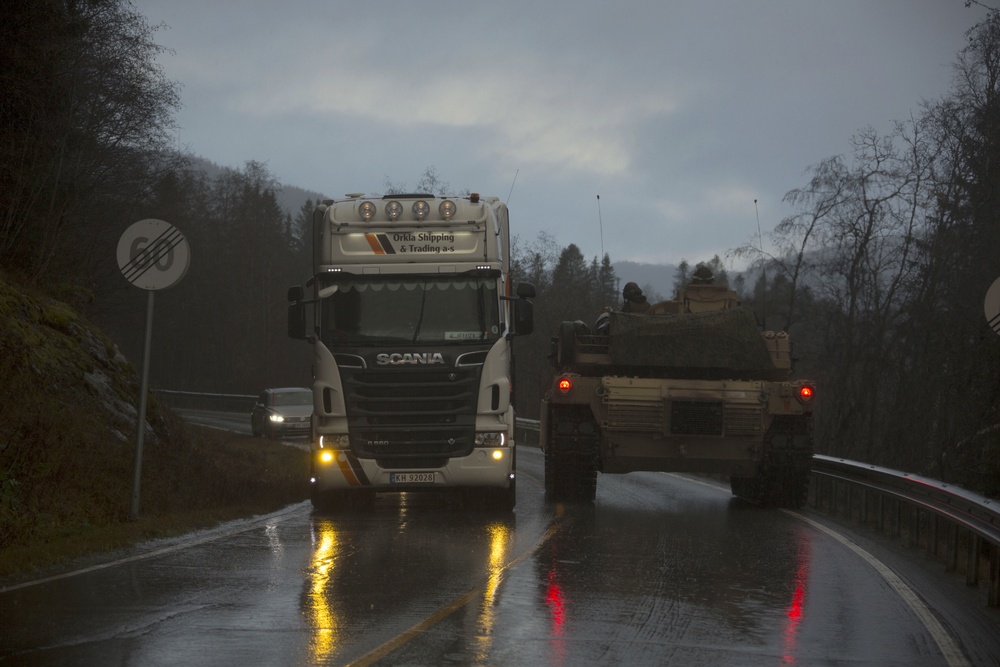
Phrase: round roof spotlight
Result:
[393,210]
[447,209]
[421,209]
[367,210]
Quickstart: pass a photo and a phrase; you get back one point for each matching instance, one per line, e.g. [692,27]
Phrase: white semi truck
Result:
[412,324]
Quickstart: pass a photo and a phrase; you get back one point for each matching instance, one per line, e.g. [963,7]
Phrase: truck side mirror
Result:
[297,320]
[296,293]
[526,291]
[524,317]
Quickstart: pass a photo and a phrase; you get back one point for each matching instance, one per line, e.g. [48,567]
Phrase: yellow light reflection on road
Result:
[323,618]
[500,537]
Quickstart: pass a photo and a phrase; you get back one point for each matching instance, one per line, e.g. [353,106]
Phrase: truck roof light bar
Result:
[447,209]
[367,210]
[393,210]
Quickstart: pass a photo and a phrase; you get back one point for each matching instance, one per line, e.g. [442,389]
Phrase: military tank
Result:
[686,385]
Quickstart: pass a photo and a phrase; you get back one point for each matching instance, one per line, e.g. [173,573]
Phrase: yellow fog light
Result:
[497,454]
[326,456]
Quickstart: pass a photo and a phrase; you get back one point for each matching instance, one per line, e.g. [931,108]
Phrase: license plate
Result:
[411,478]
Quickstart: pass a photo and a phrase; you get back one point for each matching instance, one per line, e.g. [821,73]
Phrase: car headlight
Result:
[491,439]
[276,418]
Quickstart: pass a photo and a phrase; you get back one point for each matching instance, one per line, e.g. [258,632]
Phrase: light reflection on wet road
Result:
[660,570]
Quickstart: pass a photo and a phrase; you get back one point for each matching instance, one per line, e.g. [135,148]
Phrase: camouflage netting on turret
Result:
[721,340]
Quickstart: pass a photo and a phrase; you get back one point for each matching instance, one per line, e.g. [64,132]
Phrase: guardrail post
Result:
[895,519]
[951,559]
[993,585]
[863,510]
[993,590]
[932,537]
[972,561]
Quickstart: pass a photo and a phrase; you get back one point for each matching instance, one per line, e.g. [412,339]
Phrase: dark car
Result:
[283,411]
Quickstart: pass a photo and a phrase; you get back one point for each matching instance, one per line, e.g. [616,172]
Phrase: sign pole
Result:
[140,421]
[152,255]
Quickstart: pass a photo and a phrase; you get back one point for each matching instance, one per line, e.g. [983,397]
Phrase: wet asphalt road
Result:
[661,570]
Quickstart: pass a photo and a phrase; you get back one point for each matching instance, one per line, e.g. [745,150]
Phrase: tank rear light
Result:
[806,392]
[564,385]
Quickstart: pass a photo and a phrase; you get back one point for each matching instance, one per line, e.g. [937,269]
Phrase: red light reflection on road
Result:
[796,606]
[554,598]
[557,607]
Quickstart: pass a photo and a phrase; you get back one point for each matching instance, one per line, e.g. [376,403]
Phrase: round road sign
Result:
[153,254]
[991,305]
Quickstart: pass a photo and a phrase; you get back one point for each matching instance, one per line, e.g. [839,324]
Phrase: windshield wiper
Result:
[420,320]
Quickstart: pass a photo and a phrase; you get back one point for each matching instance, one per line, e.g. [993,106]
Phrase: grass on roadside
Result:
[202,478]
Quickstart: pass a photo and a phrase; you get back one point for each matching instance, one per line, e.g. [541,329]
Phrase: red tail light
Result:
[564,385]
[806,393]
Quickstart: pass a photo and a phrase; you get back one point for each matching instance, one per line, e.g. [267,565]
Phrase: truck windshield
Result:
[366,310]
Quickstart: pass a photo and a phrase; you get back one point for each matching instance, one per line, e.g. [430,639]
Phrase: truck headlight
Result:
[336,441]
[276,418]
[491,439]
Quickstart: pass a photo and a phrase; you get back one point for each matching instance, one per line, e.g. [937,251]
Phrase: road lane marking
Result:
[949,649]
[444,612]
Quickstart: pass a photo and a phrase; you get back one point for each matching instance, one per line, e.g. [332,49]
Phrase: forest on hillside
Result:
[879,273]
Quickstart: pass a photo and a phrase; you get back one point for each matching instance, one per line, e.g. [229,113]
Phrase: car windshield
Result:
[303,397]
[365,310]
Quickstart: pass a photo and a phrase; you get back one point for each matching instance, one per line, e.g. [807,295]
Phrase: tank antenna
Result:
[601,223]
[763,270]
[512,186]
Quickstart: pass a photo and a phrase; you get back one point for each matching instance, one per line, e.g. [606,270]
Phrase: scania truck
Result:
[412,318]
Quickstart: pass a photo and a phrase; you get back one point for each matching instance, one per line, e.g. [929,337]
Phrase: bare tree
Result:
[86,114]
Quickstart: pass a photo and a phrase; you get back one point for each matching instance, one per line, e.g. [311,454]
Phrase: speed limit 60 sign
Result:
[153,254]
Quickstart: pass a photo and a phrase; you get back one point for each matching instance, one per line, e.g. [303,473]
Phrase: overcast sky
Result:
[677,113]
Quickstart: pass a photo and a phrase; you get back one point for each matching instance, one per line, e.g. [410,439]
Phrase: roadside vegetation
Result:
[68,406]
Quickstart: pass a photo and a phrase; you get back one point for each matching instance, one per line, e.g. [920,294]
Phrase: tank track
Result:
[571,463]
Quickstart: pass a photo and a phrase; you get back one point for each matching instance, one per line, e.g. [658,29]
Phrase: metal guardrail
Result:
[946,520]
[205,401]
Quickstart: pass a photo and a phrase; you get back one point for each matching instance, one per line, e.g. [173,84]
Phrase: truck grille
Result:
[400,414]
